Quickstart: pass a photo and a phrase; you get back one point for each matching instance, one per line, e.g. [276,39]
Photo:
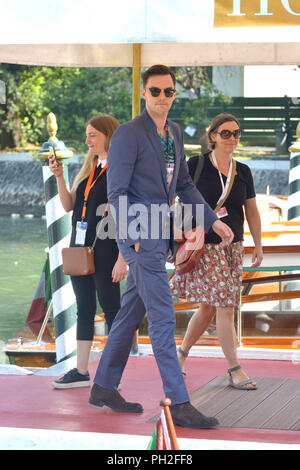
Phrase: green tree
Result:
[194,112]
[73,94]
[195,108]
[10,128]
[88,92]
[22,116]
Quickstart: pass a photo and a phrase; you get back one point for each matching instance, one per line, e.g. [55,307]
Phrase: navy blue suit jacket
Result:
[137,173]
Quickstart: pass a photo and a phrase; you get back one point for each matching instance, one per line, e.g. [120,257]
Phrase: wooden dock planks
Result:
[274,405]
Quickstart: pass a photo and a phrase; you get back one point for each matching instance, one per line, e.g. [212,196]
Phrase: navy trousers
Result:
[147,290]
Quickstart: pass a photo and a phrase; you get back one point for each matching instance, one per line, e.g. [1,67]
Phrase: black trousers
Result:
[100,284]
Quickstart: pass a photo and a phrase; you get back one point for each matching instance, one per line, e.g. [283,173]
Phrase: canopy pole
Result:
[136,110]
[136,77]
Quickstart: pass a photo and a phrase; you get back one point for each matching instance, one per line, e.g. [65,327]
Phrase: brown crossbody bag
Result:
[79,260]
[186,259]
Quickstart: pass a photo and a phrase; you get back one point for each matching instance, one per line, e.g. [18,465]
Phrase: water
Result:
[22,256]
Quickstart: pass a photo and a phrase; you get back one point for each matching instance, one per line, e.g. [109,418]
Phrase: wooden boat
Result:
[281,264]
[27,350]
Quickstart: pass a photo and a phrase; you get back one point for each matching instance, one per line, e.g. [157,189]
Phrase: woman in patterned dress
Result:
[216,280]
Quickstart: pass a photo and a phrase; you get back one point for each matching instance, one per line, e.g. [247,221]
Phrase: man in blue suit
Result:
[146,167]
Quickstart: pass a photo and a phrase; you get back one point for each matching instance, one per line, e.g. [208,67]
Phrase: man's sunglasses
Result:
[169,92]
[226,134]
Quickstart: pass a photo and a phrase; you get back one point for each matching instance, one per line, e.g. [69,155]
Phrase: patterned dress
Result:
[217,278]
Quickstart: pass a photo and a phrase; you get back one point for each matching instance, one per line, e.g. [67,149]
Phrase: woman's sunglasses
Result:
[169,92]
[226,134]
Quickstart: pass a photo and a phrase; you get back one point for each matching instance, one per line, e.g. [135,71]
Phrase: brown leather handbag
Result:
[79,260]
[189,253]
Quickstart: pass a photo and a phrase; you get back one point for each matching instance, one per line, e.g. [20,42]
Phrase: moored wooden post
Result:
[294,179]
[59,229]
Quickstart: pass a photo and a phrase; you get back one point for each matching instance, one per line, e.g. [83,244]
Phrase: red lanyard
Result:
[89,186]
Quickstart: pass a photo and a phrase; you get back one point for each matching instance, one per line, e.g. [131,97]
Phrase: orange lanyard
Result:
[89,186]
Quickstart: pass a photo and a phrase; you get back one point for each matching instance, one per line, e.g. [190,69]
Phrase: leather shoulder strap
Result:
[229,187]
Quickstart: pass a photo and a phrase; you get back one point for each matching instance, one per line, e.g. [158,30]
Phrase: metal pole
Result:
[59,228]
[239,323]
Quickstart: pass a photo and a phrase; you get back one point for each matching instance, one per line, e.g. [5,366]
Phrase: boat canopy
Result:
[93,33]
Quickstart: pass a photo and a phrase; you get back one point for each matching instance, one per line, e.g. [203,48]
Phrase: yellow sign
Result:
[235,13]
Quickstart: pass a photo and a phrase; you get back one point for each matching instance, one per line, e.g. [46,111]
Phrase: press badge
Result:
[81,228]
[222,212]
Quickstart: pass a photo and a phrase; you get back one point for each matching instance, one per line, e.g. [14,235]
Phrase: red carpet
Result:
[28,401]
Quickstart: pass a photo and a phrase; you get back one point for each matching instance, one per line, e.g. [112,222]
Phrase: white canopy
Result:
[175,32]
